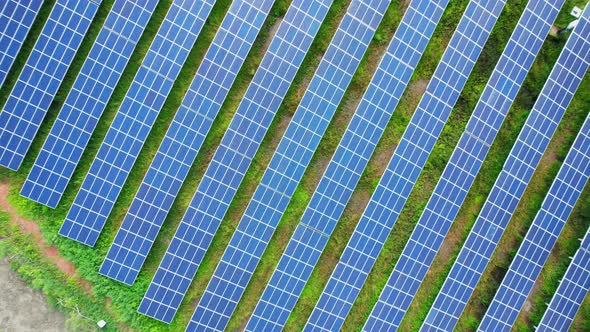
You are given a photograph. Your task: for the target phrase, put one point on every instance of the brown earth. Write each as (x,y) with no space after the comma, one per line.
(30,227)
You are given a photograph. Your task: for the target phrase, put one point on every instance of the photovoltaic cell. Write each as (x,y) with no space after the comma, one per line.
(511,183)
(282,177)
(543,233)
(362,136)
(571,292)
(467,158)
(133,121)
(302,252)
(269,85)
(288,164)
(41,76)
(16,19)
(182,142)
(410,156)
(86,101)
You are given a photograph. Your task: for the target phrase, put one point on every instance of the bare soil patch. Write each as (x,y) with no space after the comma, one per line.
(271,33)
(416,89)
(30,227)
(23,308)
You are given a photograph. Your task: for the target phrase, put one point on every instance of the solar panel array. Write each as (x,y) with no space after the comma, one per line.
(285,171)
(343,172)
(288,164)
(571,292)
(133,121)
(409,159)
(509,187)
(41,76)
(63,33)
(182,141)
(467,158)
(543,233)
(301,254)
(85,103)
(16,19)
(362,136)
(221,180)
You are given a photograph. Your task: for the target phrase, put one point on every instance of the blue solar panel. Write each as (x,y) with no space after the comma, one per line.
(86,101)
(409,159)
(133,121)
(359,141)
(543,233)
(571,292)
(303,250)
(16,19)
(277,70)
(286,168)
(510,185)
(41,76)
(465,162)
(282,177)
(359,256)
(182,142)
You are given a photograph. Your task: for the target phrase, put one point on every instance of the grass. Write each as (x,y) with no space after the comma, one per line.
(124,300)
(23,254)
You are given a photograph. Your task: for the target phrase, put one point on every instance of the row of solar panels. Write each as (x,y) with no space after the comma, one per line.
(108,57)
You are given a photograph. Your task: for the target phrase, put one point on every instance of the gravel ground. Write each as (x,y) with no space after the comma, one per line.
(24,309)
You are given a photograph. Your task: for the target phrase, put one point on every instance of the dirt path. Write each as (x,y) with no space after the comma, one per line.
(24,309)
(30,227)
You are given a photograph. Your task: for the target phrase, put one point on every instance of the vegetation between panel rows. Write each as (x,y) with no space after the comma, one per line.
(124,300)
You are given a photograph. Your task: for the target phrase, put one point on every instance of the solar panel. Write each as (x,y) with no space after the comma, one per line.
(543,233)
(465,162)
(286,168)
(304,248)
(510,185)
(300,140)
(284,173)
(249,125)
(182,142)
(41,76)
(16,19)
(407,162)
(133,121)
(85,103)
(366,243)
(571,292)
